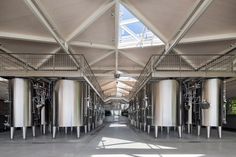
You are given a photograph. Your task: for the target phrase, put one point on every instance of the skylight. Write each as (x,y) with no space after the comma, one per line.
(133,33)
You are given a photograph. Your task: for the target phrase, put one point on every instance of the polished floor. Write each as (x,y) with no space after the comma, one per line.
(118,139)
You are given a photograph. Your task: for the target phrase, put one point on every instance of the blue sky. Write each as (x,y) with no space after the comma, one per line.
(143,36)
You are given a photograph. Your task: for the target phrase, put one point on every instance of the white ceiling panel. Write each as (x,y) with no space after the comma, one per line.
(106,62)
(126,62)
(16,17)
(90,54)
(219,18)
(143,54)
(69,14)
(102,31)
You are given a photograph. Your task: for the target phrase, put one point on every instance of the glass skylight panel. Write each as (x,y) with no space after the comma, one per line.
(133,33)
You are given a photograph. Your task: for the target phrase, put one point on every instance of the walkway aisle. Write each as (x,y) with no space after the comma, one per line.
(117,140)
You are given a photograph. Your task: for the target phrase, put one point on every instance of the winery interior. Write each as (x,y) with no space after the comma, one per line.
(117,78)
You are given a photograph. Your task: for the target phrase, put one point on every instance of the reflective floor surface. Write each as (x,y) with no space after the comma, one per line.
(118,139)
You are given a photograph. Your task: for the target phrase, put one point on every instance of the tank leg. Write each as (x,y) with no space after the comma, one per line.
(89,127)
(54,129)
(168,129)
(93,126)
(49,128)
(161,129)
(12,133)
(85,129)
(148,129)
(140,126)
(71,129)
(24,130)
(156,131)
(180,131)
(208,131)
(219,131)
(65,130)
(44,129)
(189,128)
(198,130)
(78,131)
(144,127)
(33,131)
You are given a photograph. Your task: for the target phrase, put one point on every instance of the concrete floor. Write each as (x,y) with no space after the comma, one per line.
(117,139)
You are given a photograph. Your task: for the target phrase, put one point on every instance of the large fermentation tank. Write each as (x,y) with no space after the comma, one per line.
(212,94)
(165,101)
(165,95)
(68,104)
(21,108)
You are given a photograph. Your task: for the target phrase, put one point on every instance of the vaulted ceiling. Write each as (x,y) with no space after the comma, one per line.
(91,28)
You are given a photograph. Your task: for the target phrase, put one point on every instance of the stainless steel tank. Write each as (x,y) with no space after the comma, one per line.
(165,102)
(69,104)
(21,108)
(212,94)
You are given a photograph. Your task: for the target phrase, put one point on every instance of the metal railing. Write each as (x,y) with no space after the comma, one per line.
(90,77)
(59,62)
(185,63)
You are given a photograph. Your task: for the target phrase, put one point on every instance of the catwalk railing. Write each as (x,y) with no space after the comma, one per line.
(184,63)
(48,64)
(13,63)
